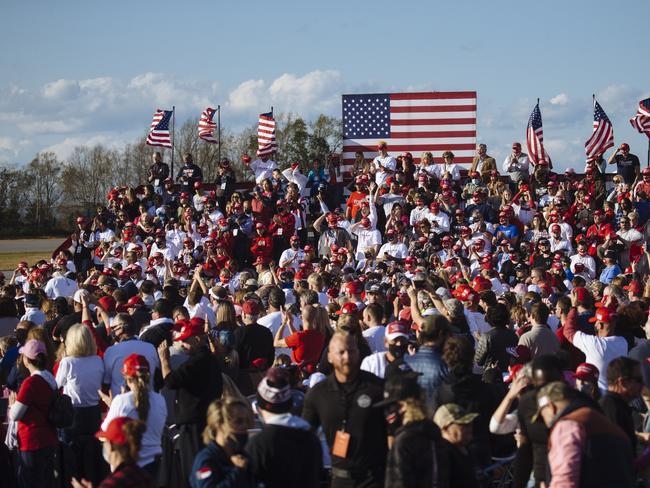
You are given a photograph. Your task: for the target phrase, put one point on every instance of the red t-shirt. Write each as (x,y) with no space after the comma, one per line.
(306,346)
(34,431)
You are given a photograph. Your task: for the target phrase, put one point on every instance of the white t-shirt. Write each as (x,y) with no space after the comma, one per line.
(123,405)
(80,378)
(600,351)
(388,162)
(114,358)
(375,338)
(476,322)
(60,286)
(375,364)
(273,321)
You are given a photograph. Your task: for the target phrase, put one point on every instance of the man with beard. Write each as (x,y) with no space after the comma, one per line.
(342,405)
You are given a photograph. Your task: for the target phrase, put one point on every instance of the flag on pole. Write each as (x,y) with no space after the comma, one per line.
(535,138)
(266,134)
(415,122)
(159,134)
(207,126)
(641,121)
(602,137)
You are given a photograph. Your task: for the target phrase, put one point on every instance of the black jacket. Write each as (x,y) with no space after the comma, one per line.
(471,393)
(197,381)
(618,411)
(414,459)
(492,345)
(252,342)
(286,457)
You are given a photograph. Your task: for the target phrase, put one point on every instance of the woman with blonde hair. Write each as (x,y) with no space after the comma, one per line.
(80,375)
(223,460)
(141,404)
(307,344)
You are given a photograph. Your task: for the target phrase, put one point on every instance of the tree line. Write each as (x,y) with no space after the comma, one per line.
(45,195)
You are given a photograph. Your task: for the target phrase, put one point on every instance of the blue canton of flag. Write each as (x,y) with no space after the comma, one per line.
(164,123)
(366,116)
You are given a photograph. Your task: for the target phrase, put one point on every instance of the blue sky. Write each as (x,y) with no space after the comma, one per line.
(79,72)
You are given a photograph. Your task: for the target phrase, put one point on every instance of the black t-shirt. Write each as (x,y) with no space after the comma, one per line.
(627,167)
(335,406)
(252,342)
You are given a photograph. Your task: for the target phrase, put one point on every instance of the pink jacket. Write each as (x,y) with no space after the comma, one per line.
(568,439)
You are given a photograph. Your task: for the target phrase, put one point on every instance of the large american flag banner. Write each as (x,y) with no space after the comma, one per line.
(207,125)
(159,134)
(413,122)
(641,121)
(602,137)
(535,138)
(266,134)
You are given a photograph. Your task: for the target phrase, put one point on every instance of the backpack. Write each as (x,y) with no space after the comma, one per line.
(60,414)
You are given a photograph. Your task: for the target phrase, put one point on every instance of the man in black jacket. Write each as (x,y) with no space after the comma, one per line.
(624,383)
(342,405)
(414,457)
(197,382)
(254,344)
(286,453)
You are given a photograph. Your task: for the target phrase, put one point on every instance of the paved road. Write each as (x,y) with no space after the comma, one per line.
(30,245)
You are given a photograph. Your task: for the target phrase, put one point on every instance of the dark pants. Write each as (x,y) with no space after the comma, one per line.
(371,479)
(180,445)
(80,437)
(36,468)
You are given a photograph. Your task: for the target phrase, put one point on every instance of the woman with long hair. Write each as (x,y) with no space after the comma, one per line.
(141,404)
(307,344)
(37,440)
(222,462)
(80,374)
(122,442)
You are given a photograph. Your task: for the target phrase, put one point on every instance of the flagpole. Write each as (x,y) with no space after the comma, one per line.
(648,162)
(219,133)
(173,123)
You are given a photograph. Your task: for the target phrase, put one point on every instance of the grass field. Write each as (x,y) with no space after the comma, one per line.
(10,260)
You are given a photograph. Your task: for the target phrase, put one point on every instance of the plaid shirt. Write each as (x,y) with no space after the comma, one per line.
(433,369)
(128,475)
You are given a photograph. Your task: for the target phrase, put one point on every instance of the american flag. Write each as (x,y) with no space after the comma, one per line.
(266,134)
(535,138)
(207,126)
(641,121)
(603,136)
(159,134)
(413,122)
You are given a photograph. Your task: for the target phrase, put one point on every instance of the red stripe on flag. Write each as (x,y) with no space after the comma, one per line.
(441,108)
(458,160)
(414,147)
(466,121)
(432,95)
(448,133)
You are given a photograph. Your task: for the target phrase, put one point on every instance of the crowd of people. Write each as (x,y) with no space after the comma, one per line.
(405,323)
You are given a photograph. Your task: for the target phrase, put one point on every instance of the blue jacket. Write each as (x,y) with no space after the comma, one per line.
(212,469)
(428,361)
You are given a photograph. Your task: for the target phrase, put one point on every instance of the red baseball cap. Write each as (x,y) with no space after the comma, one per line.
(107,303)
(635,287)
(134,364)
(602,315)
(192,328)
(587,372)
(396,329)
(135,302)
(251,307)
(354,287)
(114,433)
(348,308)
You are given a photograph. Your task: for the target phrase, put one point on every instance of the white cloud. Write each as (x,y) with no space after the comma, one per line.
(561,99)
(316,91)
(247,95)
(65,148)
(51,126)
(62,90)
